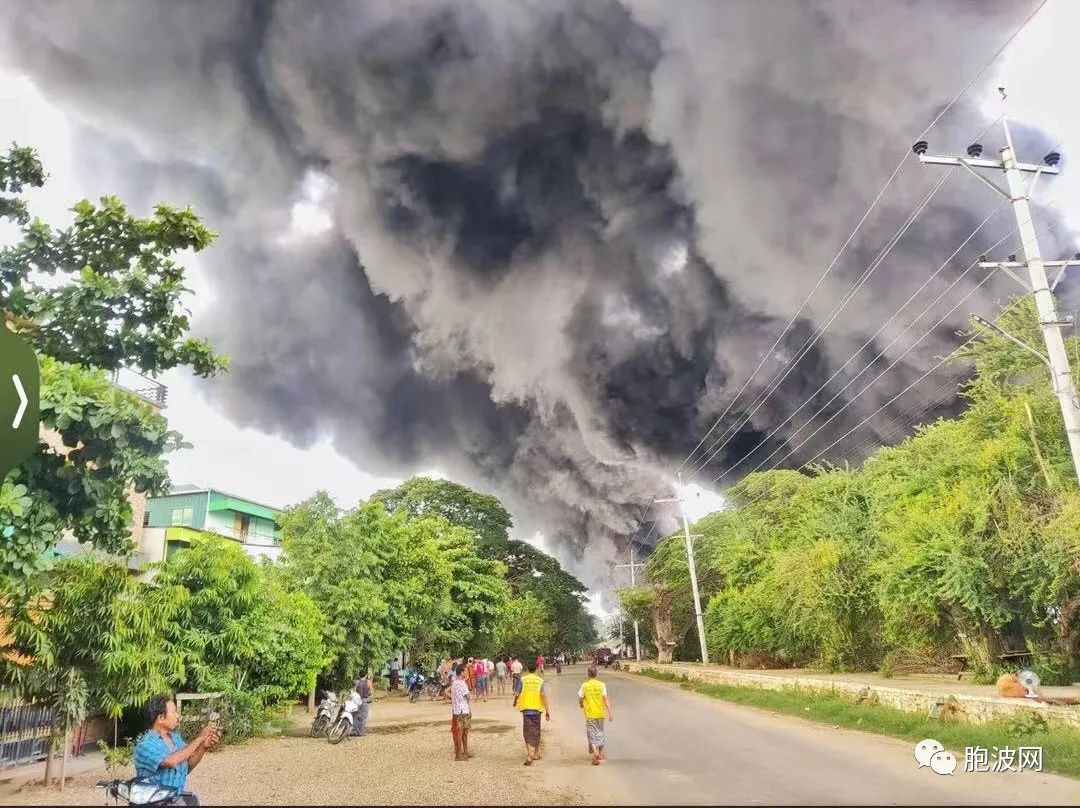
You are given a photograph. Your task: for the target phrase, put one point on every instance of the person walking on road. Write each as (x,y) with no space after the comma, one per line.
(460,714)
(500,676)
(515,672)
(470,674)
(539,665)
(530,699)
(481,677)
(593,698)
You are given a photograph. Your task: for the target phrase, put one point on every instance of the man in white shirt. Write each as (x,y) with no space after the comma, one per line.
(460,714)
(516,668)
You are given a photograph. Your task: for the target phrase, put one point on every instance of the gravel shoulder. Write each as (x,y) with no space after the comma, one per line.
(406,758)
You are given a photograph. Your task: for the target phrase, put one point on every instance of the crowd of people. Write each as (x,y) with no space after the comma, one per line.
(465,680)
(163,757)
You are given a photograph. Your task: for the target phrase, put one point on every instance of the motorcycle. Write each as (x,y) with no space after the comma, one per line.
(139,791)
(325,715)
(343,725)
(414,684)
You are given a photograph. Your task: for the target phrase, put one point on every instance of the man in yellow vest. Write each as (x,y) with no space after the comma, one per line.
(530,697)
(593,699)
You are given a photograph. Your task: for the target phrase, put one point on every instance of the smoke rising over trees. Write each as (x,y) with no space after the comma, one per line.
(558,235)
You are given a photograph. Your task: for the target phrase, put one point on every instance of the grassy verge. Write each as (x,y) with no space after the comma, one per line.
(1061,745)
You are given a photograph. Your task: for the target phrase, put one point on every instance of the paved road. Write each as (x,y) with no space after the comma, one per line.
(670,746)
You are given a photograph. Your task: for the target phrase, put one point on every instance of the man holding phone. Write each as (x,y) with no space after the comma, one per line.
(161,754)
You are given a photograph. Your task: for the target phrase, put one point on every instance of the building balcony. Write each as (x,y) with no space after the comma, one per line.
(149,390)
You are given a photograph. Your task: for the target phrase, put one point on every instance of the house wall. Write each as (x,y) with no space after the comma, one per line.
(161,508)
(139,503)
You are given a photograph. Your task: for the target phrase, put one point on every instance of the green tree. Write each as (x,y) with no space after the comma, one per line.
(98,640)
(531,571)
(478,592)
(525,628)
(378,581)
(102,294)
(481,514)
(244,629)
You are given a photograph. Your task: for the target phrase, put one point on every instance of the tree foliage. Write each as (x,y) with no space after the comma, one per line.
(525,628)
(527,570)
(964,538)
(244,629)
(98,639)
(99,295)
(379,579)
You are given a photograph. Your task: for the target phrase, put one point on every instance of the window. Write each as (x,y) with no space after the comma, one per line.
(183,517)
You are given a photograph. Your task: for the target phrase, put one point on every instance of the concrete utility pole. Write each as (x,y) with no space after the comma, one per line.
(693,574)
(1050,323)
(633,582)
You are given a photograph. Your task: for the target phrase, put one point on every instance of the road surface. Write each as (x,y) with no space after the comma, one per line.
(668,745)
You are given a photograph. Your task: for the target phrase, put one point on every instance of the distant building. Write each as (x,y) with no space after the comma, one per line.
(187,511)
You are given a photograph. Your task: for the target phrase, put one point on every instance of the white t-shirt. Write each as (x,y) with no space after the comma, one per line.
(459,697)
(603,691)
(516,667)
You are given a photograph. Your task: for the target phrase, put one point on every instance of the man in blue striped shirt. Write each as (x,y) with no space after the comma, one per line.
(161,754)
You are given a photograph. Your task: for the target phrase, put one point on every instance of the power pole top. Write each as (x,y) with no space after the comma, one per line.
(1018,194)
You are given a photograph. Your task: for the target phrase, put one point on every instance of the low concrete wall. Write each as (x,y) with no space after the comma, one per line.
(976,709)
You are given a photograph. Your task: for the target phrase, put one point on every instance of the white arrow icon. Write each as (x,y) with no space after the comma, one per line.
(22,399)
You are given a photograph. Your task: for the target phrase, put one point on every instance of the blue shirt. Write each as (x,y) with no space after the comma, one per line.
(150,750)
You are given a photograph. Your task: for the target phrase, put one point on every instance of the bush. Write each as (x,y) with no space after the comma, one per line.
(242,715)
(117,757)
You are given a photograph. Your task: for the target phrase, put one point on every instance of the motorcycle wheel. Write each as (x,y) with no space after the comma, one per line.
(319,725)
(339,731)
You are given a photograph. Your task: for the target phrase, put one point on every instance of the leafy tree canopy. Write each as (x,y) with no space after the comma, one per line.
(481,514)
(102,294)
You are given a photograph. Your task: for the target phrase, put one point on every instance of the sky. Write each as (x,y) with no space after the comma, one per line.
(269,469)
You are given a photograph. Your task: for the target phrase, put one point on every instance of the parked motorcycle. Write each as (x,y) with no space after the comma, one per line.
(325,715)
(414,683)
(139,791)
(342,726)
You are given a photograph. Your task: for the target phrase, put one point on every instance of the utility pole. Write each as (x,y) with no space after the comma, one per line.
(1050,323)
(633,582)
(693,574)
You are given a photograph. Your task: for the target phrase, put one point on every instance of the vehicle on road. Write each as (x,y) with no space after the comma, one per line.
(325,715)
(139,791)
(343,724)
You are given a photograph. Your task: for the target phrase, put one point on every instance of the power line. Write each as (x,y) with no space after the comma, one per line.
(963,91)
(888,403)
(813,339)
(892,176)
(891,365)
(866,345)
(896,170)
(765,356)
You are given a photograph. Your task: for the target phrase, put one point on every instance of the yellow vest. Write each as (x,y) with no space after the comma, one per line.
(593,698)
(529,697)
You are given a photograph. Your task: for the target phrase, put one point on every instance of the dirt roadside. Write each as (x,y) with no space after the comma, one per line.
(406,758)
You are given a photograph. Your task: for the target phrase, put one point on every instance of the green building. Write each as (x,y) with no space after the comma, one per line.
(187,511)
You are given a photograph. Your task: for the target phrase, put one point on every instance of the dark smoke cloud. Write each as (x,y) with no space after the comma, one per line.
(564,232)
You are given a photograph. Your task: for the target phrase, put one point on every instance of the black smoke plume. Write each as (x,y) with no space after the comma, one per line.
(563,232)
